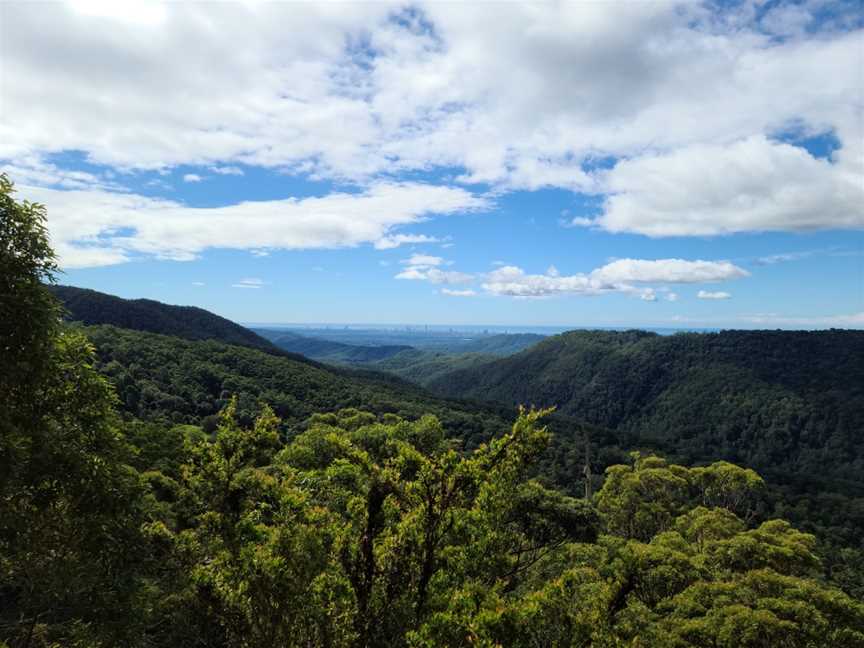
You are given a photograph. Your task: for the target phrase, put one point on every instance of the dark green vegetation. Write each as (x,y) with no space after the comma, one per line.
(167,380)
(424,367)
(435,339)
(350,529)
(784,401)
(187,322)
(435,356)
(330,351)
(787,403)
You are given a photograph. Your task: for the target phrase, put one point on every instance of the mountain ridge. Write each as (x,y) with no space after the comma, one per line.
(92,307)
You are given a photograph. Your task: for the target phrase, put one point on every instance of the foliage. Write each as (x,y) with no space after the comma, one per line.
(187,322)
(787,401)
(68,502)
(425,367)
(789,404)
(351,528)
(330,351)
(29,316)
(167,379)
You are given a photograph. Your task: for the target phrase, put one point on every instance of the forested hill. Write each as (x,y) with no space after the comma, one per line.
(784,401)
(330,350)
(361,529)
(167,380)
(188,322)
(502,345)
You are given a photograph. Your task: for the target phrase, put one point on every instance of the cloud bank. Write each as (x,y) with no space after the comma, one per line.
(620,276)
(97,227)
(364,92)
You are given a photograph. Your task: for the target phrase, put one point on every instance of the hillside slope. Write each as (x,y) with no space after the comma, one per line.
(168,379)
(502,344)
(425,367)
(187,322)
(330,351)
(783,401)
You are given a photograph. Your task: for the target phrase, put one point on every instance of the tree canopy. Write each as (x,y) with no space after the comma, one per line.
(354,528)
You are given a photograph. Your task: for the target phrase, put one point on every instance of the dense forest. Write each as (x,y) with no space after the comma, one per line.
(187,322)
(168,380)
(330,351)
(130,517)
(421,364)
(784,401)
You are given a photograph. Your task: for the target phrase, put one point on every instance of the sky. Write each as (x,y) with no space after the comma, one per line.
(692,164)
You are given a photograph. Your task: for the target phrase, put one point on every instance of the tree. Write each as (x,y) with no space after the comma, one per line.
(30,318)
(68,501)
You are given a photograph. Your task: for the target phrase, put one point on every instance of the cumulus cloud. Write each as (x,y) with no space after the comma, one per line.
(359,90)
(514,282)
(668,271)
(617,276)
(434,275)
(227,170)
(396,240)
(425,267)
(458,293)
(423,261)
(705,294)
(192,177)
(97,227)
(648,295)
(35,170)
(750,185)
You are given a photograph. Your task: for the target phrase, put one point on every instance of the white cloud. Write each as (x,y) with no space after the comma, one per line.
(96,227)
(671,296)
(434,275)
(423,261)
(648,295)
(227,170)
(424,267)
(517,94)
(129,11)
(512,281)
(617,276)
(198,284)
(88,256)
(668,271)
(704,294)
(192,177)
(413,274)
(458,293)
(34,169)
(249,283)
(750,185)
(396,240)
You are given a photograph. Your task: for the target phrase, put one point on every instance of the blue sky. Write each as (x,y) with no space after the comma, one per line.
(610,164)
